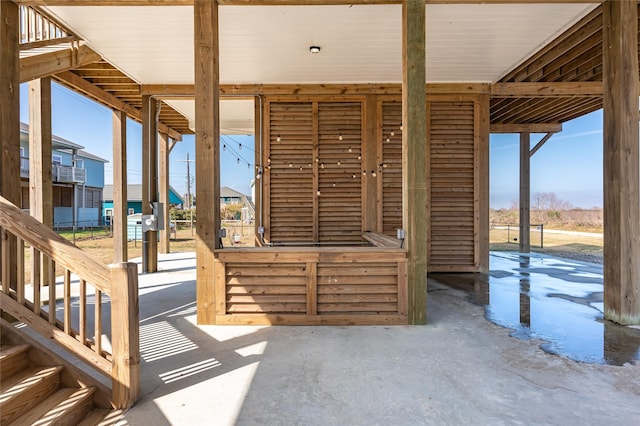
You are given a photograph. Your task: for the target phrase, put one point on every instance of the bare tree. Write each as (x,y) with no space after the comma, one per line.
(547,205)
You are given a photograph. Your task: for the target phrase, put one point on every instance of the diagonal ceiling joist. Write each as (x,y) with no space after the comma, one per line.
(37,66)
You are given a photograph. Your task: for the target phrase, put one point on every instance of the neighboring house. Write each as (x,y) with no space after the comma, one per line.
(77,179)
(231,196)
(134,203)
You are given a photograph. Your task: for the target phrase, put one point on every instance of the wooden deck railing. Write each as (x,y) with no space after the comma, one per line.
(30,295)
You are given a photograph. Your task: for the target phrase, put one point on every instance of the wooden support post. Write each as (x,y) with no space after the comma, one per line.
(414,154)
(482,182)
(165,234)
(207,100)
(149,180)
(119,217)
(125,335)
(525,193)
(9,128)
(40,185)
(621,163)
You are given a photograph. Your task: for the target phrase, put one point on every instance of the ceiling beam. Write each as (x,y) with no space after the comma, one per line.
(526,128)
(547,89)
(47,64)
(73,81)
(169,90)
(277,2)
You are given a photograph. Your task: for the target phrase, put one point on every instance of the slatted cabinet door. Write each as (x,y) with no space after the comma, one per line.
(339,171)
(452,223)
(289,175)
(390,157)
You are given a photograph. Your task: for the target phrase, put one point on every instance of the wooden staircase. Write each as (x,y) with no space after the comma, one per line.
(33,394)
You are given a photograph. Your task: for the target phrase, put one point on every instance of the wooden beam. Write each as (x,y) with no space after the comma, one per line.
(547,89)
(9,130)
(482,181)
(163,192)
(540,144)
(207,100)
(40,136)
(621,163)
(278,2)
(414,154)
(9,102)
(168,90)
(149,180)
(526,128)
(119,217)
(525,193)
(47,64)
(370,160)
(77,83)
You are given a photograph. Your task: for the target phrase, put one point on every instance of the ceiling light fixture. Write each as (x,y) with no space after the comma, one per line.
(314,49)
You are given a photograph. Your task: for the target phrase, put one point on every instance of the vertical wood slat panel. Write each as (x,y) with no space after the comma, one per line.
(35,279)
(290,169)
(339,174)
(20,277)
(391,159)
(83,312)
(452,161)
(51,275)
(97,322)
(67,301)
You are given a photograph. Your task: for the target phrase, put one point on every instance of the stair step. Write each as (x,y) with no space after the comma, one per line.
(101,417)
(24,390)
(67,406)
(13,359)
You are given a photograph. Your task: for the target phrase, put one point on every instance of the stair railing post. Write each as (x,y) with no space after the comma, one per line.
(125,334)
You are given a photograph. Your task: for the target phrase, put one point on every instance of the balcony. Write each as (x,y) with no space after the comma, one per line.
(67,174)
(59,173)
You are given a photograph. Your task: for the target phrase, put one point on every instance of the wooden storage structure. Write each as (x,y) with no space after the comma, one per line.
(311,285)
(333,170)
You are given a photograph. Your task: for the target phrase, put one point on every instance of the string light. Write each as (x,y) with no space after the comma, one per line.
(322,166)
(339,163)
(334,184)
(393,133)
(268,159)
(359,157)
(373,173)
(278,138)
(238,161)
(340,137)
(353,176)
(318,193)
(224,147)
(290,164)
(350,150)
(364,173)
(300,168)
(388,139)
(248,166)
(239,146)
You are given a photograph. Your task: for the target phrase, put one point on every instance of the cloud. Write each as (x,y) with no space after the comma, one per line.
(577,135)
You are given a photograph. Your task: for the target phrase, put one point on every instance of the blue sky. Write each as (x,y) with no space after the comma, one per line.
(569,164)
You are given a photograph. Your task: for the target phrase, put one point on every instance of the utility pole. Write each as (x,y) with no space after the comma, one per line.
(190,202)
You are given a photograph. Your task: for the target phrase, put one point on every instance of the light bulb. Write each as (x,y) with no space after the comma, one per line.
(350,150)
(240,146)
(224,147)
(334,184)
(340,137)
(339,163)
(278,139)
(353,176)
(393,133)
(373,173)
(238,161)
(388,139)
(359,157)
(290,164)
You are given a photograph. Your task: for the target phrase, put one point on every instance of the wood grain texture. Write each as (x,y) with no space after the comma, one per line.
(149,178)
(163,191)
(47,64)
(621,163)
(119,218)
(207,154)
(125,335)
(9,127)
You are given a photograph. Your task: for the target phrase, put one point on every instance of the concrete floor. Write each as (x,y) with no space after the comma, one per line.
(459,369)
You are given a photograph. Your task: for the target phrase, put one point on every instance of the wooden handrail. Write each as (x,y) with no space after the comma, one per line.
(119,281)
(53,245)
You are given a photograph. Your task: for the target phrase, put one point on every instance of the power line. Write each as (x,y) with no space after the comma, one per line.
(190,203)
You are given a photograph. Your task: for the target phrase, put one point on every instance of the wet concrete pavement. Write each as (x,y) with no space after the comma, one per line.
(555,300)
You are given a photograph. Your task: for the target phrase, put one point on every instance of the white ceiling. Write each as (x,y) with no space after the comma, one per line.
(236,115)
(360,44)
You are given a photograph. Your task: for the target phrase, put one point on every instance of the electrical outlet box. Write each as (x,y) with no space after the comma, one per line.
(400,234)
(149,222)
(158,212)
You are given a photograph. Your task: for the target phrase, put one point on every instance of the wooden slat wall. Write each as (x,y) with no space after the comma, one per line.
(266,288)
(289,178)
(390,156)
(364,289)
(339,171)
(452,144)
